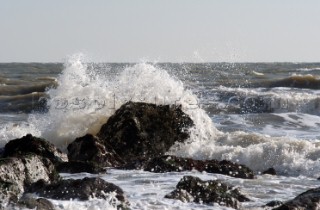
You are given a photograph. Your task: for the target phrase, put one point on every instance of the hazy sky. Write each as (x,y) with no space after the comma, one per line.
(160,30)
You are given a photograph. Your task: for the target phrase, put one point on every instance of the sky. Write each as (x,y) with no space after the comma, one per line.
(160,30)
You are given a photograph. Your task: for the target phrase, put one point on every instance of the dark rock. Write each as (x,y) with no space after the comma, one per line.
(79,167)
(1,152)
(30,144)
(90,148)
(141,130)
(270,171)
(274,203)
(17,173)
(79,189)
(136,164)
(30,202)
(169,163)
(193,189)
(307,200)
(9,193)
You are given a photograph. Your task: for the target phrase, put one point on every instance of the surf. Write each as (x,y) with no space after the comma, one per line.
(86,95)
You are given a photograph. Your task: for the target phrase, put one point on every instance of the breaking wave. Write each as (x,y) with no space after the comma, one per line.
(85,98)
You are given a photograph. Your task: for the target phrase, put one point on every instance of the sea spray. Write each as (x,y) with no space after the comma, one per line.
(85,99)
(12,130)
(288,156)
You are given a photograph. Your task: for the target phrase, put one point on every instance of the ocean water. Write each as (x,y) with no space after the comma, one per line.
(259,114)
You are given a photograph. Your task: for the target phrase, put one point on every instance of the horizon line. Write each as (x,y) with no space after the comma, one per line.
(155,62)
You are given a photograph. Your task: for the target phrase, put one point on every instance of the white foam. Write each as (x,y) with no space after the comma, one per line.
(282,99)
(309,69)
(287,155)
(148,83)
(92,204)
(73,112)
(11,131)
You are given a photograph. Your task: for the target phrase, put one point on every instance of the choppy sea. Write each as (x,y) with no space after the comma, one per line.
(259,114)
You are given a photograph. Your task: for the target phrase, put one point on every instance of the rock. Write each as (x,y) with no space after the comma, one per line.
(208,192)
(30,202)
(169,163)
(270,171)
(9,193)
(142,130)
(17,173)
(30,144)
(90,148)
(307,200)
(80,189)
(79,167)
(136,164)
(1,152)
(273,204)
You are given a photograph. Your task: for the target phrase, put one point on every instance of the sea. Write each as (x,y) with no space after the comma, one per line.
(261,115)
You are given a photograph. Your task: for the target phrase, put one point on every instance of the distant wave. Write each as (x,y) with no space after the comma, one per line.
(25,103)
(309,69)
(295,81)
(10,90)
(298,81)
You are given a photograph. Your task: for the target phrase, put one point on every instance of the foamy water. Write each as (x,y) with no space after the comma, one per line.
(85,98)
(83,102)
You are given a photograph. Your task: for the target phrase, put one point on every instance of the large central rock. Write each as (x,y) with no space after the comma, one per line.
(142,131)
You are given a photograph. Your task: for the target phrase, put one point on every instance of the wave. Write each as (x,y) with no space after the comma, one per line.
(85,98)
(298,81)
(23,103)
(309,69)
(10,90)
(261,100)
(25,96)
(288,156)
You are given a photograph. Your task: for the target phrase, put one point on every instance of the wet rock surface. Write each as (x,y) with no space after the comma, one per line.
(270,171)
(193,189)
(17,173)
(307,200)
(273,204)
(170,163)
(141,130)
(136,137)
(79,189)
(9,193)
(29,201)
(90,148)
(30,144)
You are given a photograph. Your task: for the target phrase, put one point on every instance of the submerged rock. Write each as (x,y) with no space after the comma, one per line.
(273,204)
(90,149)
(307,200)
(142,130)
(80,189)
(31,202)
(17,173)
(193,189)
(169,163)
(270,171)
(30,144)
